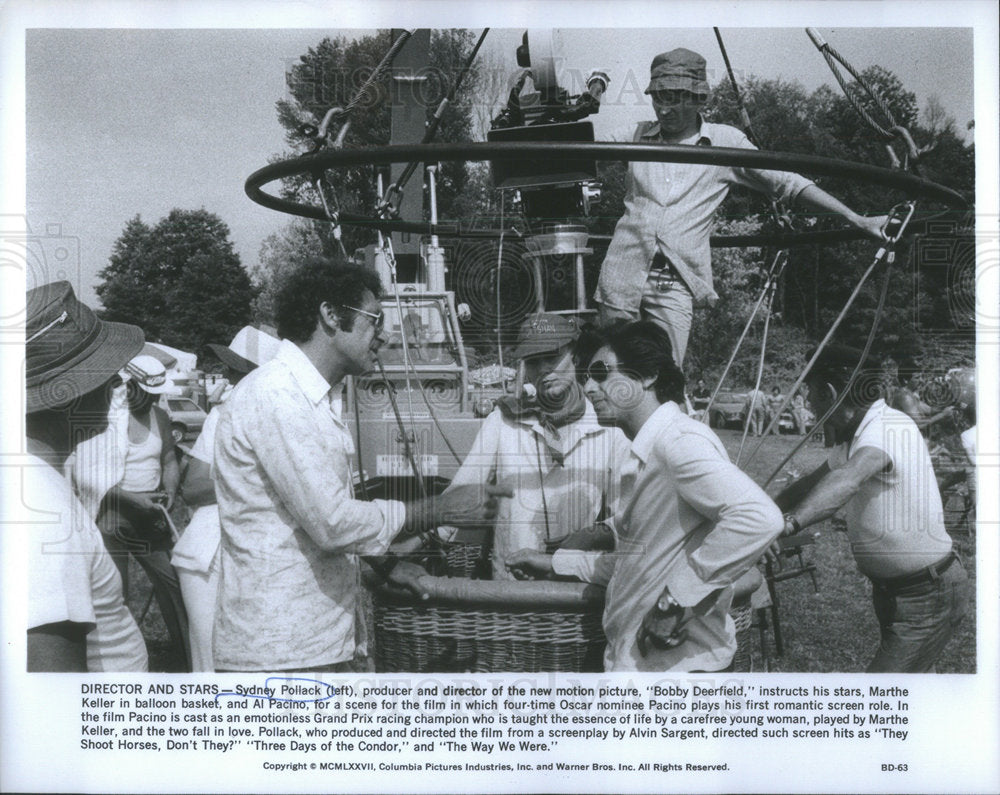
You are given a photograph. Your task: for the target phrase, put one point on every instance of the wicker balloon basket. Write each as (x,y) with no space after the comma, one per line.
(488,626)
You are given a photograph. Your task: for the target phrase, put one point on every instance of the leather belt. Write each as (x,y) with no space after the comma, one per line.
(924,575)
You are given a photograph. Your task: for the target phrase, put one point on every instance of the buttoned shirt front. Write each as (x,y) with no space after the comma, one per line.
(670,208)
(560,482)
(291,528)
(692,522)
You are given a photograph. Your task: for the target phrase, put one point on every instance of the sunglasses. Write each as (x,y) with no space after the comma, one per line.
(378,319)
(599,371)
(673,97)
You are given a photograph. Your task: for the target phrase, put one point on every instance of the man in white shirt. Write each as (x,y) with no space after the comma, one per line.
(659,263)
(880,472)
(77,619)
(292,530)
(691,522)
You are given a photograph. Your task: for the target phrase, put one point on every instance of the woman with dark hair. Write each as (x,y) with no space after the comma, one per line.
(690,523)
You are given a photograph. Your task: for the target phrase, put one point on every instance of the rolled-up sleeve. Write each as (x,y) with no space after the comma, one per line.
(784,186)
(742,519)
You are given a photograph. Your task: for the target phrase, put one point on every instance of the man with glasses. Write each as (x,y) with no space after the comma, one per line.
(292,530)
(659,264)
(690,524)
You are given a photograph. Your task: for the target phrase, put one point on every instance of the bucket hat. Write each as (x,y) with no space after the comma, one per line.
(678,70)
(69,351)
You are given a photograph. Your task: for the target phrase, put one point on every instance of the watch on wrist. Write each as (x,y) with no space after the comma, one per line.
(666,602)
(791,519)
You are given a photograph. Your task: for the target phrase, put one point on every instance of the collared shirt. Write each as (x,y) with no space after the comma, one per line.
(559,483)
(895,522)
(692,522)
(291,528)
(670,207)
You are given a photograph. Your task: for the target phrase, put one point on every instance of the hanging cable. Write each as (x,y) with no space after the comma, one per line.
(389,205)
(363,480)
(760,369)
(894,227)
(777,267)
(503,380)
(850,381)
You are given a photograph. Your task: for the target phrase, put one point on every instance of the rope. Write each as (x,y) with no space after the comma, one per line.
(778,211)
(899,217)
(357,433)
(736,90)
(373,78)
(851,92)
(774,273)
(848,385)
(760,369)
(503,381)
(396,189)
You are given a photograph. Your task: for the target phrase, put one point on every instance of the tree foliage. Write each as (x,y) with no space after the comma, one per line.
(329,76)
(180,280)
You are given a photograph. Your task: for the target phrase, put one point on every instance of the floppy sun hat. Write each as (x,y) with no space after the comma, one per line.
(250,348)
(69,351)
(678,70)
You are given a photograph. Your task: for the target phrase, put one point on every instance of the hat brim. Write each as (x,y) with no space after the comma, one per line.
(231,359)
(677,83)
(549,343)
(112,348)
(166,388)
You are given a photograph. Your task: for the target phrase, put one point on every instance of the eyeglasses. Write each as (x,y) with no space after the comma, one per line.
(599,371)
(673,97)
(378,319)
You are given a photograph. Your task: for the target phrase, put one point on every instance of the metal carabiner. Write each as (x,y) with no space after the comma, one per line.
(893,228)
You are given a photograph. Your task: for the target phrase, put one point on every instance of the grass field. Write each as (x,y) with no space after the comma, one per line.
(830,630)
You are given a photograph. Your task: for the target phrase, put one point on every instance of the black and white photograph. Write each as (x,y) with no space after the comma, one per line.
(552,399)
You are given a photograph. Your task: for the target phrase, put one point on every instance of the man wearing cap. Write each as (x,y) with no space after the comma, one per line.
(548,443)
(690,524)
(659,264)
(292,531)
(880,473)
(130,517)
(196,554)
(77,618)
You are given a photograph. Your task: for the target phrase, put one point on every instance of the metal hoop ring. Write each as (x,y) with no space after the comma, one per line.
(913,186)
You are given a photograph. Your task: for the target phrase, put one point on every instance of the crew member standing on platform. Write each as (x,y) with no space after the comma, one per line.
(659,264)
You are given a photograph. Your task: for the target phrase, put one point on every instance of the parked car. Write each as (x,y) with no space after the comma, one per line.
(728,409)
(186,416)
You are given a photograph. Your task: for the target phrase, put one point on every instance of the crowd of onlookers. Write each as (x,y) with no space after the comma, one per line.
(594,471)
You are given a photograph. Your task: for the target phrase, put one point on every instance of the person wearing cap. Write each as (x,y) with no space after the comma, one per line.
(880,474)
(130,517)
(196,555)
(548,443)
(77,618)
(659,265)
(290,594)
(690,525)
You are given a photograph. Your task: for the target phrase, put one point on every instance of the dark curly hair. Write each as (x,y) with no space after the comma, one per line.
(315,281)
(644,351)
